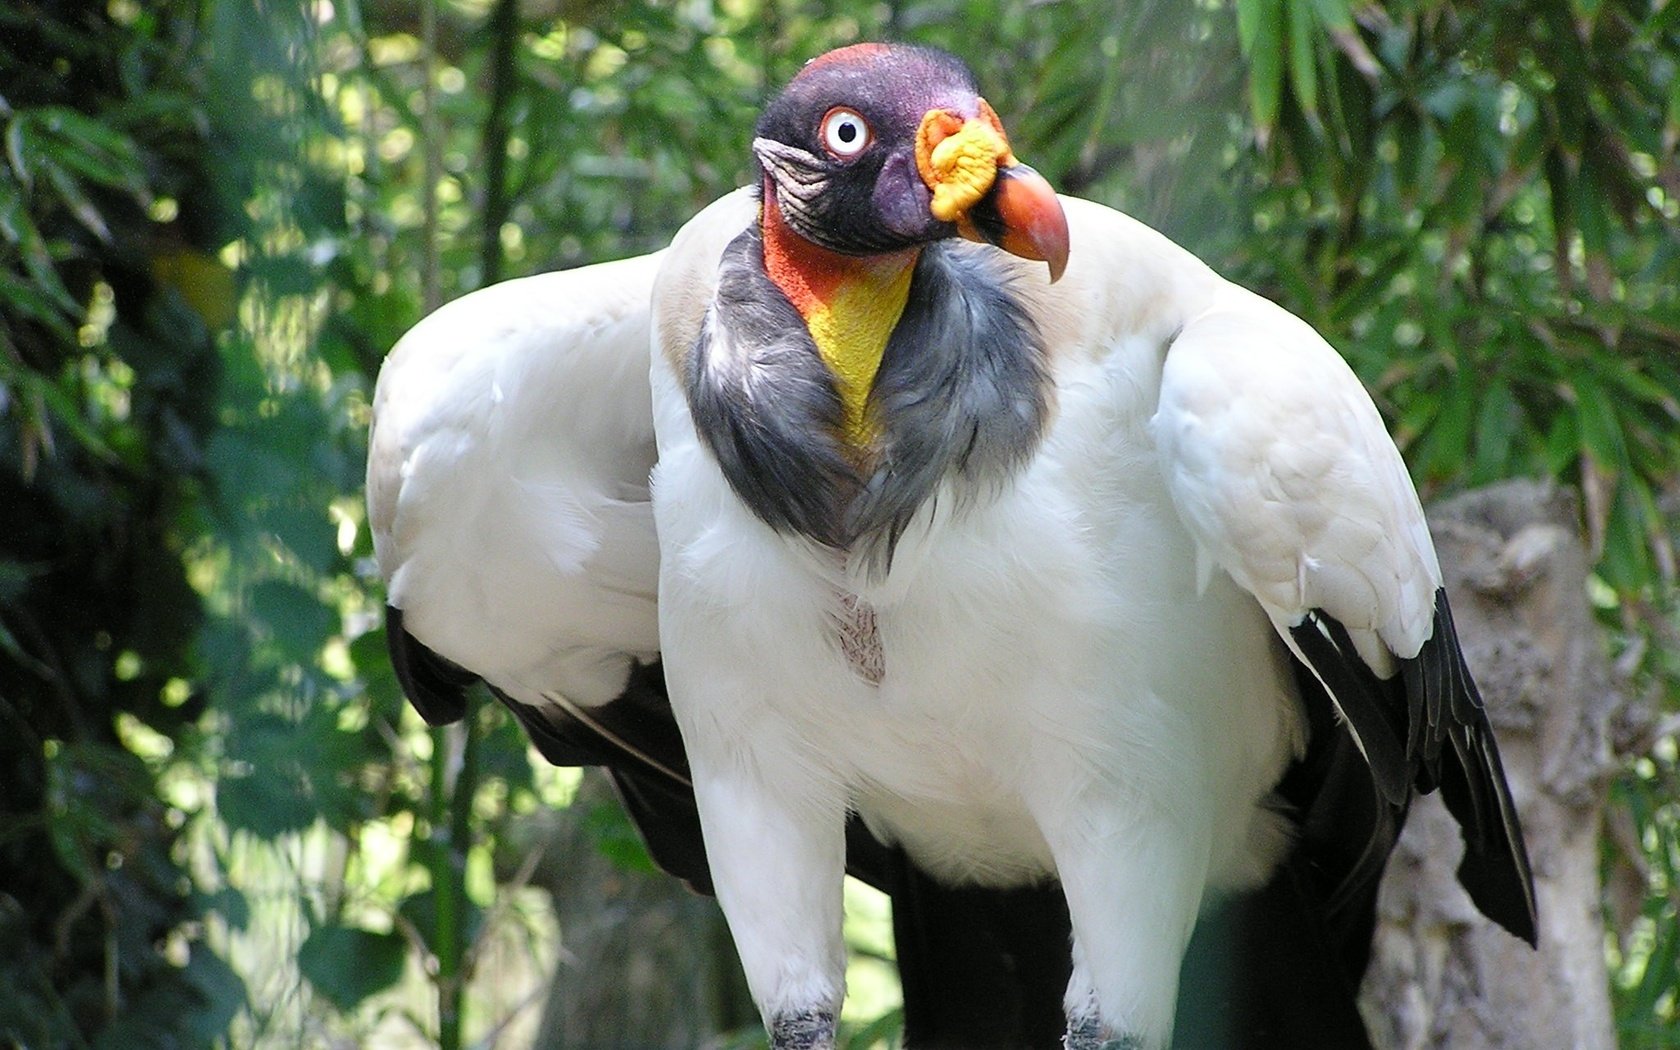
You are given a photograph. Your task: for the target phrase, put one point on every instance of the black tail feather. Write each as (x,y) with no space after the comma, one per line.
(1434,706)
(1368,703)
(435,686)
(1274,969)
(980,967)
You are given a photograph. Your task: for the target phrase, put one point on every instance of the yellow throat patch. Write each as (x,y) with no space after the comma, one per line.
(851,328)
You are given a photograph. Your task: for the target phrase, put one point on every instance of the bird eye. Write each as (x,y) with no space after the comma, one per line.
(845,133)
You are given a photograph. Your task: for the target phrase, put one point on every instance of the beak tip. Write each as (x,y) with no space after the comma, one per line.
(1034,225)
(1055,249)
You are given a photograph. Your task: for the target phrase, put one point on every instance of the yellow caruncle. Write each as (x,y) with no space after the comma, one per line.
(960,164)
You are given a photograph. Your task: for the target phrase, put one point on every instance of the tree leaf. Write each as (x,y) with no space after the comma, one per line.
(1334,14)
(1303,57)
(77,201)
(268,803)
(87,147)
(1249,15)
(297,621)
(1261,28)
(346,964)
(420,910)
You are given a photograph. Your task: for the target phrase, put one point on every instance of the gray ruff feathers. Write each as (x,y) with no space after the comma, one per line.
(962,394)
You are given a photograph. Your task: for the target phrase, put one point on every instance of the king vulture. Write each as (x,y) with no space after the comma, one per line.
(988,542)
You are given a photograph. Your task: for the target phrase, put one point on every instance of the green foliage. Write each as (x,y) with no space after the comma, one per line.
(348,964)
(1647,954)
(107,380)
(1485,218)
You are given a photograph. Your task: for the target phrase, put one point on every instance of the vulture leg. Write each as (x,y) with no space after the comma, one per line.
(775,841)
(803,1030)
(1133,887)
(981,968)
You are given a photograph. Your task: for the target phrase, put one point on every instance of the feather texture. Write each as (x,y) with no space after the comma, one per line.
(507,482)
(1281,468)
(443,480)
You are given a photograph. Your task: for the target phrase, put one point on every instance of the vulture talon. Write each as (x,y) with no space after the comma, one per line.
(1088,1033)
(806,1030)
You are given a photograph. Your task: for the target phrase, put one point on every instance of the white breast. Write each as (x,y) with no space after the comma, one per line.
(1013,652)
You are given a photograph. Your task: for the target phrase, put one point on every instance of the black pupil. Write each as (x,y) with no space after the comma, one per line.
(847,131)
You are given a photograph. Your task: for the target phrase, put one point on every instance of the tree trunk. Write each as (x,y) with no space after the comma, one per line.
(1442,976)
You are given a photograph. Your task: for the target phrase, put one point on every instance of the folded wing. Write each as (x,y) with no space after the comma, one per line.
(1280,466)
(507,483)
(508,493)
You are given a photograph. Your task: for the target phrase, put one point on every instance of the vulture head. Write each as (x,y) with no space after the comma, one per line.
(878,148)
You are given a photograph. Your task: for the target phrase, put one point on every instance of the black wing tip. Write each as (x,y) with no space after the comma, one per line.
(1502,892)
(1425,729)
(435,686)
(1495,870)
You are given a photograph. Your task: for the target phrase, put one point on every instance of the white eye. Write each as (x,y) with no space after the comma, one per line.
(844,132)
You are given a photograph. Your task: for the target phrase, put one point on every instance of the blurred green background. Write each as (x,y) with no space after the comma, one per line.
(219,825)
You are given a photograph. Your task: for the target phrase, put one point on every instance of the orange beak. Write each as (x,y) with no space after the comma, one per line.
(1029,219)
(991,197)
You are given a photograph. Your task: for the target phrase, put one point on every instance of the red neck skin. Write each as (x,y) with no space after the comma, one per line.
(808,274)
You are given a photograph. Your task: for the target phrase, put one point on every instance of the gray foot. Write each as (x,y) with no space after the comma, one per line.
(811,1030)
(1088,1033)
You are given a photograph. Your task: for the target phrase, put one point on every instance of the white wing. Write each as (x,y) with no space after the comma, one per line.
(507,482)
(1280,467)
(1282,470)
